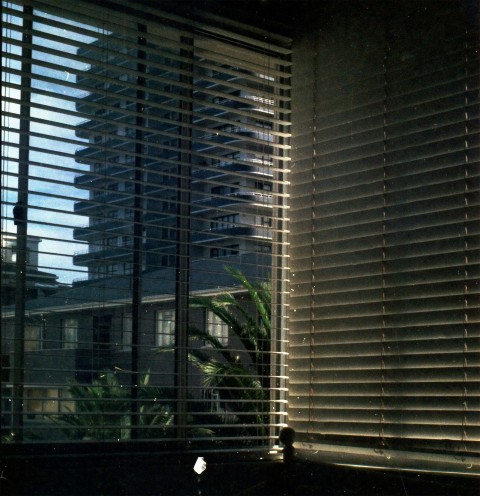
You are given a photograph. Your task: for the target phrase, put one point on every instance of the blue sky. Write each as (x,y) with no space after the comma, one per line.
(51,186)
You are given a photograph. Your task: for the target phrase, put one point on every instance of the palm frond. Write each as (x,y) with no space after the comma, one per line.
(260,295)
(221,305)
(102,409)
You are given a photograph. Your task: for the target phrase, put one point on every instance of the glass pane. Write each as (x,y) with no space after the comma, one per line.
(149,164)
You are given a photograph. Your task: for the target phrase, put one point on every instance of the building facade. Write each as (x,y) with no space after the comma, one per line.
(233,151)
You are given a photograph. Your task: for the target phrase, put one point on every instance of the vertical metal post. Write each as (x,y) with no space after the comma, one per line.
(182,282)
(138,228)
(21,221)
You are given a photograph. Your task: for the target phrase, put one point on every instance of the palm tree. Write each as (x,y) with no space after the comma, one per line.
(241,378)
(102,410)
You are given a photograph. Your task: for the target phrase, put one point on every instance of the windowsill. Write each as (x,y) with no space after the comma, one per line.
(79,470)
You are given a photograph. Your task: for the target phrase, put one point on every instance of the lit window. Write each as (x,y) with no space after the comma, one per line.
(165,328)
(217,328)
(41,401)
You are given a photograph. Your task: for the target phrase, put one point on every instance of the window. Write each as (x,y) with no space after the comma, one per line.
(225,221)
(263,185)
(263,221)
(33,337)
(119,193)
(263,248)
(217,328)
(129,186)
(41,401)
(169,234)
(69,333)
(165,328)
(223,190)
(127,331)
(167,261)
(168,206)
(383,334)
(227,251)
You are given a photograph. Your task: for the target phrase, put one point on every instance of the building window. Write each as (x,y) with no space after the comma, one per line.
(165,327)
(223,190)
(41,401)
(264,221)
(227,251)
(65,402)
(263,185)
(167,261)
(69,333)
(129,186)
(224,221)
(168,205)
(169,234)
(33,337)
(217,328)
(127,331)
(263,248)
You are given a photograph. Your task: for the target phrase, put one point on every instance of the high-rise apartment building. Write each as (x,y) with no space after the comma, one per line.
(220,124)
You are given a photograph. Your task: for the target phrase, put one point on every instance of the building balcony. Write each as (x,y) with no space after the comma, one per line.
(119,198)
(224,107)
(109,170)
(231,133)
(92,127)
(214,236)
(157,246)
(226,168)
(235,145)
(110,253)
(117,145)
(241,200)
(98,230)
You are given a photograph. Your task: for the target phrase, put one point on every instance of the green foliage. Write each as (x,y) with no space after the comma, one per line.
(103,410)
(242,379)
(8,438)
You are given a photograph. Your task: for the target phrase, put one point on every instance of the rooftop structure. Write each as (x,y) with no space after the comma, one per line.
(38,282)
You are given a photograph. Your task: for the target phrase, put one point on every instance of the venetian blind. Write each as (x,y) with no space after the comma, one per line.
(384,342)
(143,164)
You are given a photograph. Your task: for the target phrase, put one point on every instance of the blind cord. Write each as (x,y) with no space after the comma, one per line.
(313,231)
(383,369)
(464,435)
